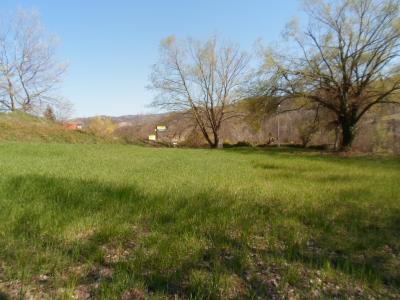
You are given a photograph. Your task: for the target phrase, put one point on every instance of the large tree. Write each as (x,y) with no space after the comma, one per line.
(202,78)
(29,70)
(346,61)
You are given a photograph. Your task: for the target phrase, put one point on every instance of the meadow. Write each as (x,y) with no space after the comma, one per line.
(129,222)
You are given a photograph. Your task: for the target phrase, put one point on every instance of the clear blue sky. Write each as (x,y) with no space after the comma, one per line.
(111,45)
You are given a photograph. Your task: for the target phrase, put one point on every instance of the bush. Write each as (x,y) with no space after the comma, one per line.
(243,144)
(102,127)
(194,140)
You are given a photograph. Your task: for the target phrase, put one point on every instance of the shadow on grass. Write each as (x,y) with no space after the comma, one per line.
(275,150)
(205,232)
(313,173)
(318,155)
(357,238)
(4,296)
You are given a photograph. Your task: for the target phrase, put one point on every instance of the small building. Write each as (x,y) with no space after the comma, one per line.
(161,128)
(73,126)
(157,131)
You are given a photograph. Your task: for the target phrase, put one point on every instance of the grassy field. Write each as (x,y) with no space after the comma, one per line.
(115,221)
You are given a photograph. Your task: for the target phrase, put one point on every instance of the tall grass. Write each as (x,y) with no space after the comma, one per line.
(110,221)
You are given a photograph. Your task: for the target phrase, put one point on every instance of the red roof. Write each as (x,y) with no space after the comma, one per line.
(73,126)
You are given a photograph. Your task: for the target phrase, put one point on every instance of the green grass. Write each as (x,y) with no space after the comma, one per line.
(111,221)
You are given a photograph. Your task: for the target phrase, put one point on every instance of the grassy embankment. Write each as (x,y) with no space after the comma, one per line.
(18,126)
(109,221)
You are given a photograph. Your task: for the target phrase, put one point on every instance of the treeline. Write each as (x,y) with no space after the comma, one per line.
(380,131)
(338,69)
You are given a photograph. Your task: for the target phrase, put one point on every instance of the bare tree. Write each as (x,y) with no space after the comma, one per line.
(63,109)
(29,71)
(348,60)
(203,78)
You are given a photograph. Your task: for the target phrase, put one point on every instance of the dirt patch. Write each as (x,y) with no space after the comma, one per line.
(90,280)
(114,254)
(83,292)
(134,294)
(119,251)
(17,290)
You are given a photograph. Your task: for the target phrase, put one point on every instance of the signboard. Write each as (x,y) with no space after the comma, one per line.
(161,128)
(152,137)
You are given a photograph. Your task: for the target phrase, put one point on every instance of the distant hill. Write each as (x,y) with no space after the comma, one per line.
(128,120)
(134,128)
(18,126)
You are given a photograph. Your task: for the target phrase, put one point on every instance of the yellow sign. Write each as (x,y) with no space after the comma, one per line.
(152,137)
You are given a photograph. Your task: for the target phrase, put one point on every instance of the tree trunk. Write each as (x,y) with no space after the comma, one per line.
(335,145)
(11,95)
(214,144)
(347,134)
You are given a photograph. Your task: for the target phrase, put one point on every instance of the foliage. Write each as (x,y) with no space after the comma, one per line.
(307,128)
(257,109)
(101,126)
(194,139)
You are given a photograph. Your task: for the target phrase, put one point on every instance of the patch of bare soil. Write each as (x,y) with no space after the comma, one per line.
(15,289)
(117,251)
(114,252)
(134,294)
(91,280)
